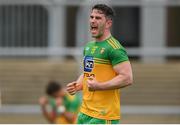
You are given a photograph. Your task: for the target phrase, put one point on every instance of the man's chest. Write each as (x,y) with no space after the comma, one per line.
(96,51)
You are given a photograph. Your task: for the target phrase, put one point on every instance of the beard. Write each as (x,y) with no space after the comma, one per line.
(97,36)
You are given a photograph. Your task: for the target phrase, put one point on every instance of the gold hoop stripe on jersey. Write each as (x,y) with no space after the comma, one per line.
(105,60)
(102,61)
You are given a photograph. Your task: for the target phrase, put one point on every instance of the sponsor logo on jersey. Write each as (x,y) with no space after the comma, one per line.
(88,63)
(89,75)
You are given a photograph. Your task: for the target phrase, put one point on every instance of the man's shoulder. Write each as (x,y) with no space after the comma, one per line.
(114,43)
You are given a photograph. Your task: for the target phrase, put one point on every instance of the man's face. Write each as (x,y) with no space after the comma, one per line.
(98,23)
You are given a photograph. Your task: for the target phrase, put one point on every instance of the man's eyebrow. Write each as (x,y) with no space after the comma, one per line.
(98,17)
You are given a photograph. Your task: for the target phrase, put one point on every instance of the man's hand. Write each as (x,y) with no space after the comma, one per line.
(93,84)
(72,88)
(43,101)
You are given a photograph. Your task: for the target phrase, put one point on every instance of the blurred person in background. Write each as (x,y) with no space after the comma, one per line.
(58,106)
(107,69)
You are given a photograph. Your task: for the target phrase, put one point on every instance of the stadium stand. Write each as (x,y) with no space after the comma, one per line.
(22,81)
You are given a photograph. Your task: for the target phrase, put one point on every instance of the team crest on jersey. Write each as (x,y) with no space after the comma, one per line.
(88,63)
(102,50)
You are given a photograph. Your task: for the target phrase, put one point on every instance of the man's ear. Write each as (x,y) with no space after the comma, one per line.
(108,23)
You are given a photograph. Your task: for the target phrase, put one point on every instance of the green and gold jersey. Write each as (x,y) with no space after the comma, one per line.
(99,59)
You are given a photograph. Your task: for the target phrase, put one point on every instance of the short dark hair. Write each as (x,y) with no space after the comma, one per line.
(53,87)
(106,10)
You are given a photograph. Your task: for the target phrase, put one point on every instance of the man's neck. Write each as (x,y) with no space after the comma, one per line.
(104,37)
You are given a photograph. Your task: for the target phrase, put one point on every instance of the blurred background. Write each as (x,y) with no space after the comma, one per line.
(42,40)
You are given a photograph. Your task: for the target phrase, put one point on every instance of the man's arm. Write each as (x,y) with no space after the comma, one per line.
(69,116)
(123,79)
(49,116)
(75,86)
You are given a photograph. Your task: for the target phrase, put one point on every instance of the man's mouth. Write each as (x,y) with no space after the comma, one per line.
(94,28)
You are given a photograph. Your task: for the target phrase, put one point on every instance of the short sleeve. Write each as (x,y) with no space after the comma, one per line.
(118,56)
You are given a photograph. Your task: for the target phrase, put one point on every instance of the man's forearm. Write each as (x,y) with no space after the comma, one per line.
(49,117)
(79,82)
(69,116)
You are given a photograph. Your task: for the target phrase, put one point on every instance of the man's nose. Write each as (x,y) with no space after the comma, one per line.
(93,19)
